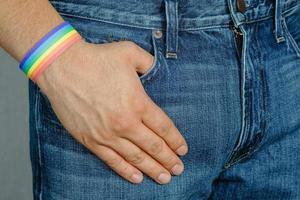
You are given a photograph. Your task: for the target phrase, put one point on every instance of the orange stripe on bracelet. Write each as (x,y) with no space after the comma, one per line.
(47,49)
(49,59)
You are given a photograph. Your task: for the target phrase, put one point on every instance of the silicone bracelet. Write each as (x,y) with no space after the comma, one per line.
(47,49)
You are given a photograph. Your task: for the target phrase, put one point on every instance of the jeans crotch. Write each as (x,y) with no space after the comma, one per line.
(171,8)
(278,32)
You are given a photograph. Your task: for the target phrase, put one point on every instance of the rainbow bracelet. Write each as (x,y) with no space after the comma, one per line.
(47,49)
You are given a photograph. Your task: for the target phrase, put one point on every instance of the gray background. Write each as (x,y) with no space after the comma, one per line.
(15,169)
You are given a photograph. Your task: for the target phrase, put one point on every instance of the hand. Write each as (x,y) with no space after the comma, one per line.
(95,91)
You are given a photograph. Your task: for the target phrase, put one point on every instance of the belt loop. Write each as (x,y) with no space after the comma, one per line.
(278,22)
(171,8)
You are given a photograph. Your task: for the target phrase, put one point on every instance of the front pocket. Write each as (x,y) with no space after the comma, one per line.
(146,76)
(99,32)
(291,26)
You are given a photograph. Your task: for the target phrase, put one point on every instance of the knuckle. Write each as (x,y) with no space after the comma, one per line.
(132,46)
(121,122)
(105,138)
(170,162)
(165,127)
(136,158)
(139,104)
(85,140)
(157,147)
(154,171)
(131,50)
(99,136)
(113,162)
(124,171)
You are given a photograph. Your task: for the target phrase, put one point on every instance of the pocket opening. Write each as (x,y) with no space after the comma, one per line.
(155,64)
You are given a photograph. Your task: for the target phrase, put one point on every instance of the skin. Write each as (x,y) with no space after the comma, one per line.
(116,120)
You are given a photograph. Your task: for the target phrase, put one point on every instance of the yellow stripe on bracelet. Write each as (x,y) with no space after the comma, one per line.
(49,59)
(47,49)
(50,51)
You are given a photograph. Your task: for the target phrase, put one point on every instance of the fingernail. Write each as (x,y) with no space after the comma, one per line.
(177,169)
(182,150)
(136,178)
(164,178)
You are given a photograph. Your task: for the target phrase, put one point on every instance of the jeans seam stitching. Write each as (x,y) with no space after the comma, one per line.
(224,25)
(205,27)
(156,65)
(151,74)
(290,38)
(264,87)
(37,121)
(251,150)
(104,21)
(233,40)
(244,100)
(286,12)
(244,103)
(48,105)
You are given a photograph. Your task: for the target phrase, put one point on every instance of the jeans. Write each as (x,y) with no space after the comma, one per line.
(226,72)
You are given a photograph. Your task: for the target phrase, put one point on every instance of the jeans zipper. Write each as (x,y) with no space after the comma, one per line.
(238,35)
(239,38)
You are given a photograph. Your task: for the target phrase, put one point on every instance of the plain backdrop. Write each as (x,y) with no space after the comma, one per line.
(15,168)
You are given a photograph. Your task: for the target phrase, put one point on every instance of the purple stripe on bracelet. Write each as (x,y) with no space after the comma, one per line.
(41,41)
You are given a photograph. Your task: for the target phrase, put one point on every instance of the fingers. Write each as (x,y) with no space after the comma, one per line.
(156,147)
(158,121)
(141,160)
(118,164)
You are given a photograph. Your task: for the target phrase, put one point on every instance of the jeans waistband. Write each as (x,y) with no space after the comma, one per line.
(151,14)
(173,16)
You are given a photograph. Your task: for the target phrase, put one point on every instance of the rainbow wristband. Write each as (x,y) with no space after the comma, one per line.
(47,49)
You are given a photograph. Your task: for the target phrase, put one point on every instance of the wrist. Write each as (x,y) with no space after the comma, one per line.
(48,49)
(50,74)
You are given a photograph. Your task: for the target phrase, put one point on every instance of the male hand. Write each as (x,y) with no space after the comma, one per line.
(96,93)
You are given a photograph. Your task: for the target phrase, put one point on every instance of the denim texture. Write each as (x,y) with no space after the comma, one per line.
(236,101)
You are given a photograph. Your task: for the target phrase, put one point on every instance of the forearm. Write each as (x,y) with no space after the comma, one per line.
(23,23)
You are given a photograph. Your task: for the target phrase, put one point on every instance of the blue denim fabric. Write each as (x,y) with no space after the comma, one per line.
(229,79)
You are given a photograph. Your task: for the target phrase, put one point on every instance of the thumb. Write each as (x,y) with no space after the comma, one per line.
(144,61)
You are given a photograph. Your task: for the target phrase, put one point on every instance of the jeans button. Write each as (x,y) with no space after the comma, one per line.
(241,5)
(157,34)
